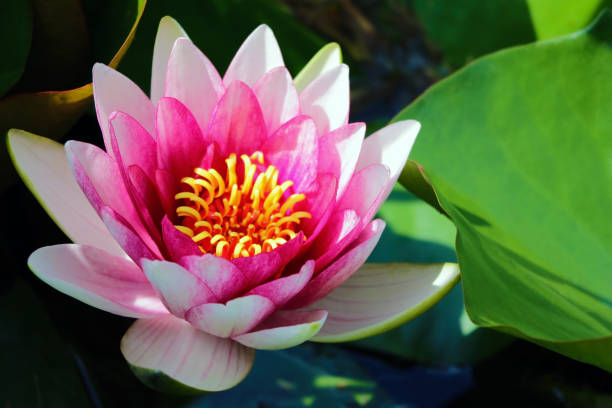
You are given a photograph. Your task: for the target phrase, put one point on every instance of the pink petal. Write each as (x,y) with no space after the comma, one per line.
(277,97)
(258,54)
(284,329)
(114,91)
(146,192)
(135,144)
(281,290)
(177,243)
(167,33)
(326,99)
(341,269)
(180,143)
(233,318)
(237,125)
(293,149)
(95,277)
(379,297)
(131,242)
(193,80)
(260,268)
(178,288)
(167,187)
(223,278)
(337,228)
(177,349)
(319,202)
(43,166)
(389,146)
(338,153)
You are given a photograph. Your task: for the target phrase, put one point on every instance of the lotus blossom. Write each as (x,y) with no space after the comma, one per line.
(226,214)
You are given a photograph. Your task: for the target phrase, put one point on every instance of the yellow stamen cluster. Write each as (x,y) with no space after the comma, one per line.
(234,216)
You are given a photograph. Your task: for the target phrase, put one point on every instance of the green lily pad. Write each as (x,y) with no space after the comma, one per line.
(518,148)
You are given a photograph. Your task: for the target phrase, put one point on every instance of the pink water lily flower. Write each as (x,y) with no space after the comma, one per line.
(226,214)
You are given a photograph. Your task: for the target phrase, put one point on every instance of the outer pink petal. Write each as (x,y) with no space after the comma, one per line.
(277,97)
(177,349)
(260,268)
(136,145)
(390,146)
(338,153)
(294,149)
(258,54)
(326,99)
(97,278)
(223,278)
(341,269)
(237,125)
(281,290)
(179,289)
(177,244)
(233,318)
(193,80)
(284,329)
(167,33)
(180,142)
(131,242)
(113,91)
(44,168)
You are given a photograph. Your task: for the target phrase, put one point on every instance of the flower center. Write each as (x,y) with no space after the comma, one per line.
(232,219)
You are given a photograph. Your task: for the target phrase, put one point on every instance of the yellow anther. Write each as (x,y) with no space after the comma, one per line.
(222,249)
(184,211)
(185,230)
(231,169)
(195,198)
(201,236)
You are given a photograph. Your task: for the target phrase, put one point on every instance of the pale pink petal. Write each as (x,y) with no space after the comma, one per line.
(326,99)
(233,318)
(135,144)
(338,153)
(277,97)
(258,54)
(237,125)
(390,146)
(223,278)
(293,150)
(114,91)
(379,297)
(178,288)
(131,242)
(177,243)
(281,290)
(167,33)
(173,347)
(180,142)
(284,329)
(193,80)
(260,268)
(342,268)
(328,57)
(95,277)
(44,168)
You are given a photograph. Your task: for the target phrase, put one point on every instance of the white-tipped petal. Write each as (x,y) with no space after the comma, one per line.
(167,33)
(379,297)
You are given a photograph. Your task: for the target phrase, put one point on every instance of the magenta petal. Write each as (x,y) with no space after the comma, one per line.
(294,149)
(179,289)
(135,144)
(180,143)
(127,238)
(167,187)
(193,80)
(341,269)
(112,92)
(97,278)
(320,201)
(337,228)
(223,278)
(260,268)
(277,97)
(281,290)
(338,152)
(233,318)
(237,125)
(146,192)
(284,329)
(177,243)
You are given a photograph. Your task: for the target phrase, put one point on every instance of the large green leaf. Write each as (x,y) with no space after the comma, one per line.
(15,39)
(444,334)
(518,146)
